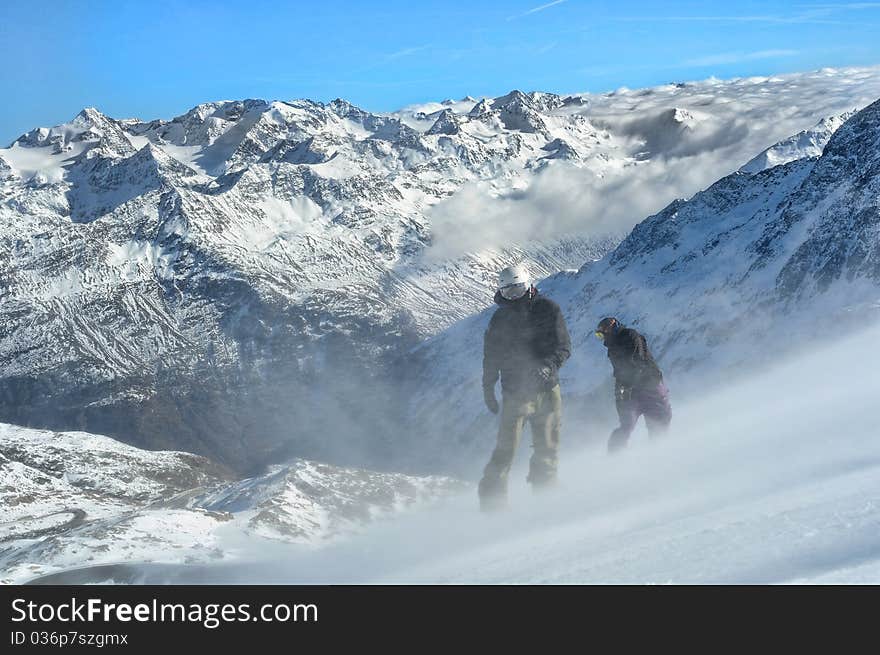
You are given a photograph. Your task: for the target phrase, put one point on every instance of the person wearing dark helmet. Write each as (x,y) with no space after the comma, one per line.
(638,382)
(525,344)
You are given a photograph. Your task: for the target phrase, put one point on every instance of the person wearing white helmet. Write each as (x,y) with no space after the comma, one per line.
(525,344)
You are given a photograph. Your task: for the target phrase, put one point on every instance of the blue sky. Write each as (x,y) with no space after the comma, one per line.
(159,58)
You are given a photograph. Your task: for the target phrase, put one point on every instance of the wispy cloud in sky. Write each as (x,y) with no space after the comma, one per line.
(718,59)
(757,18)
(535,10)
(391,57)
(547,47)
(406,52)
(845,6)
(737,57)
(816,14)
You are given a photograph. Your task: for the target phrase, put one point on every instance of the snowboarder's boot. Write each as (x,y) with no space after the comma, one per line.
(617,441)
(541,478)
(493,503)
(493,494)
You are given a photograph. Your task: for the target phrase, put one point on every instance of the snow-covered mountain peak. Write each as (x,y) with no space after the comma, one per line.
(683,116)
(807,143)
(44,155)
(483,107)
(448,122)
(345,109)
(89,117)
(521,112)
(514,97)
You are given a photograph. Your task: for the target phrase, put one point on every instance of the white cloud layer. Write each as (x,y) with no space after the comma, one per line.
(654,156)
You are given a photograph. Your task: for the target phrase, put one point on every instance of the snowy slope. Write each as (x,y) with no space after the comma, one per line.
(753,485)
(783,489)
(68,498)
(73,499)
(773,479)
(245,281)
(755,266)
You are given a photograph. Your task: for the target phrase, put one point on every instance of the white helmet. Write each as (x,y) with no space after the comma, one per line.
(513,282)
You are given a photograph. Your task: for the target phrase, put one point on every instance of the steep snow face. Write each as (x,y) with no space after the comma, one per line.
(73,499)
(755,266)
(796,244)
(246,280)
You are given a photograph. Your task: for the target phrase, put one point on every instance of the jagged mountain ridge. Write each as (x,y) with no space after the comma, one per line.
(217,242)
(246,280)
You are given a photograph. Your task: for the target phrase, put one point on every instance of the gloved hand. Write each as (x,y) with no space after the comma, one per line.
(622,393)
(490,400)
(544,374)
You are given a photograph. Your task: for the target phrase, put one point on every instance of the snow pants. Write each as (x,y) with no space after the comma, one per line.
(652,402)
(543,411)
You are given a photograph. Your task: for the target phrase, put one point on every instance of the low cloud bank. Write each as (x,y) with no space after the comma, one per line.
(667,142)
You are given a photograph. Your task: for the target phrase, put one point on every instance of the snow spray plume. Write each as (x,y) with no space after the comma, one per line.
(774,491)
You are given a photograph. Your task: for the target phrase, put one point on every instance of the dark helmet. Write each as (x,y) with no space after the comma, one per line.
(608,325)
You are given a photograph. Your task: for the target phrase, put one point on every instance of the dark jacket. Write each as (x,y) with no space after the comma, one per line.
(634,367)
(524,335)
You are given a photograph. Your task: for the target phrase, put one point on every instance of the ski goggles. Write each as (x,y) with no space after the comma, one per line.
(514,291)
(599,334)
